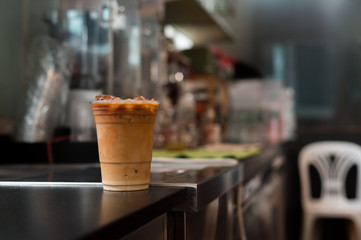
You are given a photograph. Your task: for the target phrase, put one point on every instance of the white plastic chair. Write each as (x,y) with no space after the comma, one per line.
(332,160)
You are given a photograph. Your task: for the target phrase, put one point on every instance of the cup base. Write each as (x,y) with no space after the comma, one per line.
(125,188)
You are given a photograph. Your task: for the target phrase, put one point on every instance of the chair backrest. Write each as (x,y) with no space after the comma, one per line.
(333,161)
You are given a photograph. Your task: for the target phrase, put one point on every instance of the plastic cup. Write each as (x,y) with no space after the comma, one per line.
(125,142)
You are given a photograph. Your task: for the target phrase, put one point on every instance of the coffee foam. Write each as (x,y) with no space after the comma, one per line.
(136,105)
(114,99)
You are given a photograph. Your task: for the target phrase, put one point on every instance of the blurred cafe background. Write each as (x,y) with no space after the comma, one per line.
(248,73)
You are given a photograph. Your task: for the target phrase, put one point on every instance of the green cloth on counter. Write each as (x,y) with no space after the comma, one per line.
(206,153)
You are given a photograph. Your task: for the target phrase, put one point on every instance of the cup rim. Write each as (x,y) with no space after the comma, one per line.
(127,101)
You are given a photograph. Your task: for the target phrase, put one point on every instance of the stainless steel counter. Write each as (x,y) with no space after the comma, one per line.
(205,179)
(72,204)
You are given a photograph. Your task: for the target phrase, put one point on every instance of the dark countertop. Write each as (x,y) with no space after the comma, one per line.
(252,165)
(72,204)
(49,212)
(202,185)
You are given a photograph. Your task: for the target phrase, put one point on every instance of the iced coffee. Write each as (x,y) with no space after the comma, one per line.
(125,140)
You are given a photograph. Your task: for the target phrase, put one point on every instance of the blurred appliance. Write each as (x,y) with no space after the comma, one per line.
(262,111)
(247,115)
(151,12)
(66,46)
(74,49)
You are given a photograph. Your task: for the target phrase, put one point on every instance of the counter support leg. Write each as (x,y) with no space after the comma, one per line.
(176,225)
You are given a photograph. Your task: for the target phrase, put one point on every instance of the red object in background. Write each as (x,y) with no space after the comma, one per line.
(224,61)
(49,147)
(274,130)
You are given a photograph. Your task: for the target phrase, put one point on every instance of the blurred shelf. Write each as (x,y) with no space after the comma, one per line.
(191,18)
